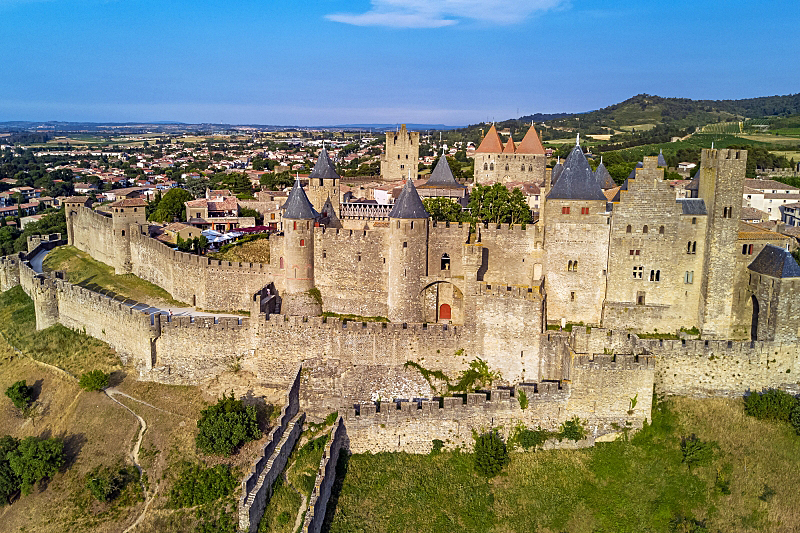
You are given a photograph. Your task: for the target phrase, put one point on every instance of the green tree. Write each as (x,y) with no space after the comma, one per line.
(9,482)
(94,381)
(225,426)
(443,209)
(172,206)
(276,181)
(35,459)
(496,204)
(773,404)
(197,186)
(490,455)
(697,452)
(20,394)
(248,212)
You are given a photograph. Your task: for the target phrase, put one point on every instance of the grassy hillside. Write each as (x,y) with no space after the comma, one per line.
(631,485)
(101,433)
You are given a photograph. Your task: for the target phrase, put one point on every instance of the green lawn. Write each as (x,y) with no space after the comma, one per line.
(635,485)
(57,345)
(82,270)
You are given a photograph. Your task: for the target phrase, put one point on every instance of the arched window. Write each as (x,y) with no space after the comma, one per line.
(281,263)
(628,229)
(294,226)
(644,229)
(652,275)
(444,312)
(574,266)
(302,242)
(491,167)
(689,247)
(523,168)
(445,264)
(486,166)
(569,266)
(661,230)
(694,247)
(658,275)
(506,167)
(272,216)
(530,168)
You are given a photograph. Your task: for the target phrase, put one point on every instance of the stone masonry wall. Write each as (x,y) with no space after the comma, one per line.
(599,394)
(326,475)
(257,485)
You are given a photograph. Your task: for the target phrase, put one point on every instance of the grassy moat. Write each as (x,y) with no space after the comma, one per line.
(634,485)
(82,270)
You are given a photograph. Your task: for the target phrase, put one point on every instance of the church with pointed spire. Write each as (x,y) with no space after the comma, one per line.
(499,162)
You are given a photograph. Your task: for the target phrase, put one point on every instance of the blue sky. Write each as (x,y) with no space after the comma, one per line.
(334,61)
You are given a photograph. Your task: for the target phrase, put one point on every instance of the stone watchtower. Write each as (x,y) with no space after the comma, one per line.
(71,207)
(408,255)
(126,215)
(323,184)
(298,222)
(401,155)
(722,174)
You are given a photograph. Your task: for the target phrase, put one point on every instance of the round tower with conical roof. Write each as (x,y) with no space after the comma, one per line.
(408,255)
(299,217)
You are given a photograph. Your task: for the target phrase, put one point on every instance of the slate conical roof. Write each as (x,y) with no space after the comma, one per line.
(324,168)
(491,144)
(577,181)
(510,148)
(408,204)
(442,176)
(661,161)
(530,143)
(557,170)
(603,177)
(775,262)
(297,205)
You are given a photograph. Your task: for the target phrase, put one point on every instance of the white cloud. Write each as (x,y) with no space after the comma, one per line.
(439,13)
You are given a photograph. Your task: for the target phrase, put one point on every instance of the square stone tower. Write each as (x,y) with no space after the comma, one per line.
(400,155)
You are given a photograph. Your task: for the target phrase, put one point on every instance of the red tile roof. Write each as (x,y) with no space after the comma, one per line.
(491,144)
(531,143)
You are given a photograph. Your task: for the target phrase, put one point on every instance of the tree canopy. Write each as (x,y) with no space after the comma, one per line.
(496,204)
(444,210)
(225,426)
(172,206)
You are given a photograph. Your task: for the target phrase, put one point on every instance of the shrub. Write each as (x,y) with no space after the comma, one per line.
(794,417)
(523,399)
(106,483)
(437,447)
(697,452)
(35,459)
(572,429)
(284,518)
(491,454)
(197,485)
(20,394)
(225,426)
(773,404)
(528,438)
(9,481)
(94,381)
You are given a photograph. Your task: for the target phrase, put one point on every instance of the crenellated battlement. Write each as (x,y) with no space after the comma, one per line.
(205,322)
(493,401)
(614,362)
(355,327)
(506,291)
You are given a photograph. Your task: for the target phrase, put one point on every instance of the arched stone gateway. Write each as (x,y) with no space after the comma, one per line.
(442,302)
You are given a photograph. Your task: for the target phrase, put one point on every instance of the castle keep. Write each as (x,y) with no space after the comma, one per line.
(642,262)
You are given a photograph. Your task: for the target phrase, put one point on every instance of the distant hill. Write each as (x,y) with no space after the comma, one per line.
(680,112)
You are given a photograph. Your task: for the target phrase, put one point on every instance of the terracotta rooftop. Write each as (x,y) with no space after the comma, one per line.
(769,184)
(751,232)
(751,213)
(530,143)
(491,144)
(129,202)
(75,199)
(510,148)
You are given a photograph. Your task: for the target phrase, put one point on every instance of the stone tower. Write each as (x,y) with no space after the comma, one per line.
(408,255)
(576,243)
(71,207)
(722,174)
(126,216)
(401,154)
(323,183)
(298,222)
(499,163)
